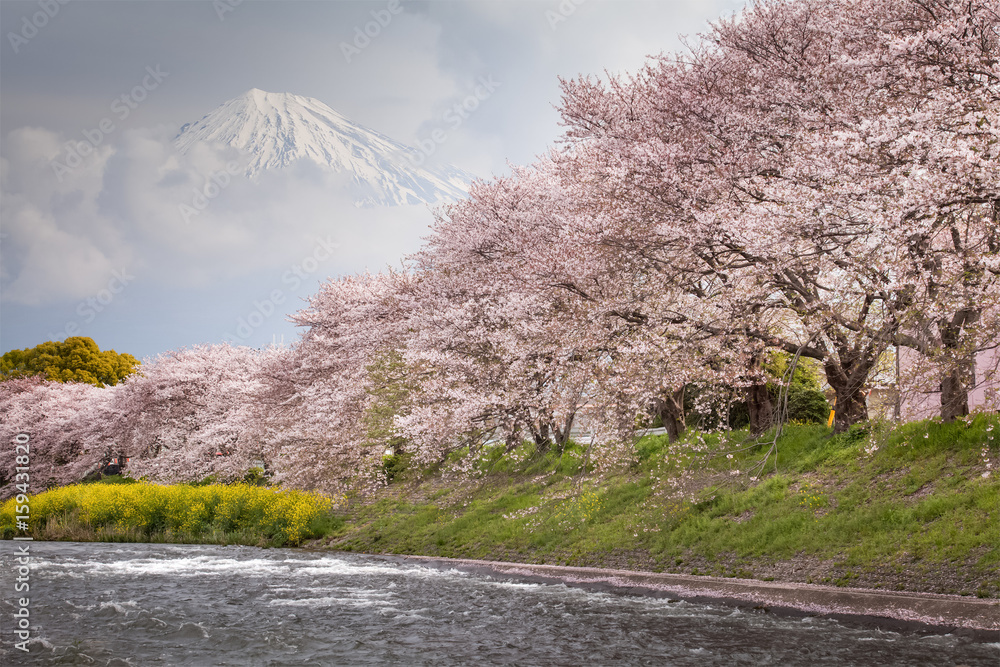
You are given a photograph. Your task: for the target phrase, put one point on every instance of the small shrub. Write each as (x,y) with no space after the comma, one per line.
(807,405)
(393,465)
(256,476)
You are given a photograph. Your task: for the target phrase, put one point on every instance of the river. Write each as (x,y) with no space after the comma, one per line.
(156,604)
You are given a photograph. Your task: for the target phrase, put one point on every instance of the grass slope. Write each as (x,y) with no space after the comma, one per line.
(911,507)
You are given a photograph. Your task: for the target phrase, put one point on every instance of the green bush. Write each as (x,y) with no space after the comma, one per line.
(807,405)
(395,465)
(255,476)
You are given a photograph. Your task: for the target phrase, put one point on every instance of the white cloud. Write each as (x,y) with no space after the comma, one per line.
(124,207)
(121,208)
(56,241)
(403,78)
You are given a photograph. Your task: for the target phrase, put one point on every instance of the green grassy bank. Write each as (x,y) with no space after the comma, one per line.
(913,507)
(206,514)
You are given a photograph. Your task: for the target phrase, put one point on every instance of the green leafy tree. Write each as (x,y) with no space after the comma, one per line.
(808,372)
(76,359)
(389,395)
(806,401)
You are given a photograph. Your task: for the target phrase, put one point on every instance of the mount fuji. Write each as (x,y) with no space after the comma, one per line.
(274,130)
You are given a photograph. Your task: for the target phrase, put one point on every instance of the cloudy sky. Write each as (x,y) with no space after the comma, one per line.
(93,244)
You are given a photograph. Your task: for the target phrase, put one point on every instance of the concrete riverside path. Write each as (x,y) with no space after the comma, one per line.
(892,610)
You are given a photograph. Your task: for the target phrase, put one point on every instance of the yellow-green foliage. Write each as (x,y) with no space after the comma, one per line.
(76,359)
(568,513)
(178,512)
(581,509)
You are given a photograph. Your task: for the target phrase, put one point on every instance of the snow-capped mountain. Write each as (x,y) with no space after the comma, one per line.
(276,129)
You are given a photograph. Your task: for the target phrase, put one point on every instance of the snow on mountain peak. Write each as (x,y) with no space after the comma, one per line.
(276,129)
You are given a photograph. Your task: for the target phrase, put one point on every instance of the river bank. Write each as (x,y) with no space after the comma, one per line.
(891,611)
(912,508)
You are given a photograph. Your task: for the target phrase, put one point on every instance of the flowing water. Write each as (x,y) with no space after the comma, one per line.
(139,604)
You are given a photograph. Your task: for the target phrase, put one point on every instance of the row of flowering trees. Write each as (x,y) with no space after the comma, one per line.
(182,417)
(820,178)
(831,164)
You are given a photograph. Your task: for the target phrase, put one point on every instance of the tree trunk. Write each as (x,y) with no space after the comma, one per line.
(848,381)
(562,435)
(851,408)
(957,380)
(670,409)
(513,440)
(760,407)
(541,436)
(954,394)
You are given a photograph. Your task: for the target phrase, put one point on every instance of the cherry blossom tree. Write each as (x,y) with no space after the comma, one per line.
(536,287)
(190,414)
(65,425)
(761,156)
(328,419)
(508,349)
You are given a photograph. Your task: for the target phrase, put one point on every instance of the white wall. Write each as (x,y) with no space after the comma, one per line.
(920,403)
